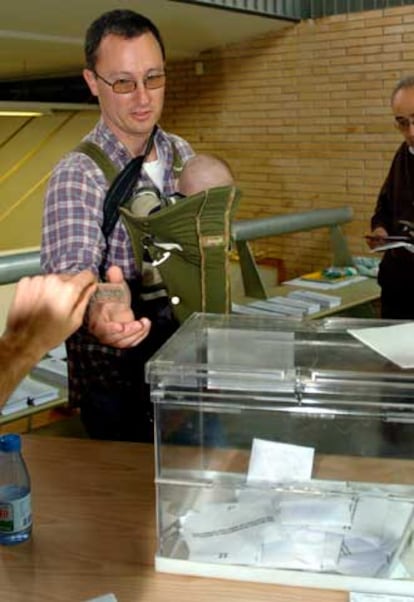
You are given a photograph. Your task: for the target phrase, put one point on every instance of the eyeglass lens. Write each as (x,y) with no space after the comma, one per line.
(151,81)
(404,122)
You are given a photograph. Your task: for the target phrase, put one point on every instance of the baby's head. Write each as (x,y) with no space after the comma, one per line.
(201,172)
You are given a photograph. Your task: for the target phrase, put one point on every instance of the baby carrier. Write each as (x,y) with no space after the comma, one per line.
(181,247)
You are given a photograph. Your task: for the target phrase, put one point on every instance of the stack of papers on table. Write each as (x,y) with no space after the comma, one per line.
(54,367)
(393,342)
(322,299)
(324,284)
(30,392)
(363,597)
(252,309)
(279,306)
(299,306)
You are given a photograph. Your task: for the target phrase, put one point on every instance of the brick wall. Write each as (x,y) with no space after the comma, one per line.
(303,117)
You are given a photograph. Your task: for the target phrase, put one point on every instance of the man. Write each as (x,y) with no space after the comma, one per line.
(125,70)
(44,311)
(395,205)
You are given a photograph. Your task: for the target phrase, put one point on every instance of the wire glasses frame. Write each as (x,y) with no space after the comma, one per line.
(403,123)
(152,81)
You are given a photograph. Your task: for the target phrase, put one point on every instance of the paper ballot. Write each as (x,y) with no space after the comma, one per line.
(393,342)
(274,462)
(227,532)
(308,526)
(362,597)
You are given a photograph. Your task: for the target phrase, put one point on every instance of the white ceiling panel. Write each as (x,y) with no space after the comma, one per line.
(45,37)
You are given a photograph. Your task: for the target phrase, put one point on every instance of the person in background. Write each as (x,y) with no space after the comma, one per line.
(125,70)
(204,171)
(395,205)
(44,311)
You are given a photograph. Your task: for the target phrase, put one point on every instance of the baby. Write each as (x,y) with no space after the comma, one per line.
(204,171)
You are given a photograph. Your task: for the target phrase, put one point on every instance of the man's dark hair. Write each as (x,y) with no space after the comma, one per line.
(119,22)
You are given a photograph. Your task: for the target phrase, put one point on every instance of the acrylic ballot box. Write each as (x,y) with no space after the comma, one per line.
(284,454)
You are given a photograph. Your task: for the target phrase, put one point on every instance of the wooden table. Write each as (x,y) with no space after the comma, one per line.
(353,296)
(94,533)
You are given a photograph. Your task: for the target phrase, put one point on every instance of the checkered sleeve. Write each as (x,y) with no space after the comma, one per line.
(72,239)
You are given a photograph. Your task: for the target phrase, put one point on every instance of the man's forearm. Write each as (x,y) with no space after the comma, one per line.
(16,360)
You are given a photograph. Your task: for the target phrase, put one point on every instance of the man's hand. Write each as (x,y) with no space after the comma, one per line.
(111,319)
(377,237)
(47,309)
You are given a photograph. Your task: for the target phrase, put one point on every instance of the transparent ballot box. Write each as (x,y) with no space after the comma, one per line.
(284,454)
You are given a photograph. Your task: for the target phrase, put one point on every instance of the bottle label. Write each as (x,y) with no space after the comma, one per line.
(16,515)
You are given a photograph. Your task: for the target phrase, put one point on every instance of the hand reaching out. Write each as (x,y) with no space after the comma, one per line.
(111,319)
(44,311)
(47,309)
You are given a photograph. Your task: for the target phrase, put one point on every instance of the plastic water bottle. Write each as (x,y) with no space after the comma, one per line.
(15,498)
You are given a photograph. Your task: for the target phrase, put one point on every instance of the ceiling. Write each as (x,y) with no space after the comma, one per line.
(45,37)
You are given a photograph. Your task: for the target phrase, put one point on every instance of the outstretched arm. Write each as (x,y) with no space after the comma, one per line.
(45,310)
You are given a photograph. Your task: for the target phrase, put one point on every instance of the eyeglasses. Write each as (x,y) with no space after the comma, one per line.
(403,123)
(152,81)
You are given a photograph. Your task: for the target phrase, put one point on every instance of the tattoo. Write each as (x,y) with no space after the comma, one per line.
(109,292)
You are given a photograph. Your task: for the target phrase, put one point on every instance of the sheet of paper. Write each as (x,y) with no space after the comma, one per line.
(330,512)
(216,521)
(324,286)
(58,352)
(381,518)
(379,531)
(393,342)
(227,533)
(31,391)
(394,245)
(346,534)
(234,550)
(12,407)
(302,549)
(279,462)
(361,597)
(54,366)
(363,564)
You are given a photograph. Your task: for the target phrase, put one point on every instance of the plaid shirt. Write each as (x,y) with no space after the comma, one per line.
(72,240)
(73,214)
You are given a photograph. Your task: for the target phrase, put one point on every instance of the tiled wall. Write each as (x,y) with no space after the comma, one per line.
(304,119)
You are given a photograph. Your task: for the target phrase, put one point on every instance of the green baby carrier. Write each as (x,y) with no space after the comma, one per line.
(181,247)
(188,242)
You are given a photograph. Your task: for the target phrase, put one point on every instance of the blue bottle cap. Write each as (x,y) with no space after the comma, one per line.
(10,443)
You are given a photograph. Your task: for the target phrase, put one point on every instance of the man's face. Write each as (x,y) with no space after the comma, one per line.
(403,109)
(130,116)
